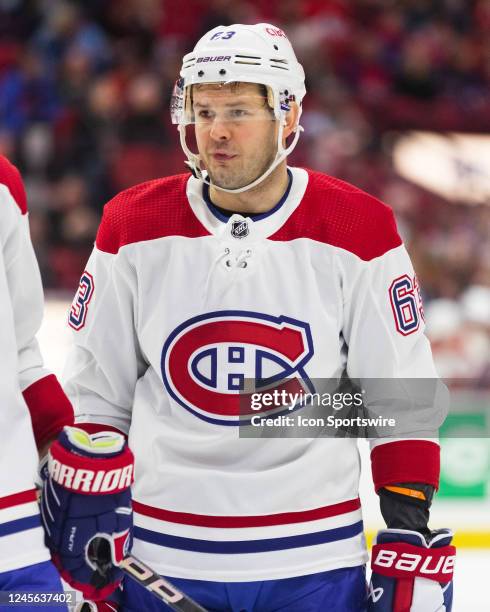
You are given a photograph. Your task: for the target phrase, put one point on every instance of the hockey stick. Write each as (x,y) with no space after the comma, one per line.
(161,588)
(99,554)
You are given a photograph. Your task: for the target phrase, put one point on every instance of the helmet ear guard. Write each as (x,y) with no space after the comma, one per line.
(239,53)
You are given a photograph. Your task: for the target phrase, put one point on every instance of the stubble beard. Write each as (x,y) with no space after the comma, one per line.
(235,178)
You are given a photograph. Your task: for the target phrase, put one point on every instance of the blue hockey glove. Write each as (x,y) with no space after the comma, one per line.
(410,574)
(86,508)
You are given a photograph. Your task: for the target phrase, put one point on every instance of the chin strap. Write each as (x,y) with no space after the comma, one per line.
(194,160)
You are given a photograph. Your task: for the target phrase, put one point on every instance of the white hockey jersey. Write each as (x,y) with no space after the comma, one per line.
(179,304)
(29,395)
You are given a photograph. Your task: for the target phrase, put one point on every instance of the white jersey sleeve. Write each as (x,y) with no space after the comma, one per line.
(381,343)
(388,352)
(47,408)
(106,361)
(26,296)
(48,405)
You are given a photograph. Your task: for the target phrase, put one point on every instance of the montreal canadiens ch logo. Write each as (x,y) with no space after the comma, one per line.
(207,359)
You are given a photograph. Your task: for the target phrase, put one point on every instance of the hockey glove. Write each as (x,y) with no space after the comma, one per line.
(86,508)
(411,574)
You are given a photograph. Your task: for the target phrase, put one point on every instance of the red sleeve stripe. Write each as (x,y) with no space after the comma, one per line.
(231,522)
(406,461)
(16,499)
(49,407)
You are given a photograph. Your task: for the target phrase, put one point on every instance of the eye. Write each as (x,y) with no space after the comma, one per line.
(239,113)
(205,114)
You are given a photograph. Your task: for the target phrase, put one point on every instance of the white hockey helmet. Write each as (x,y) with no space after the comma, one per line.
(258,53)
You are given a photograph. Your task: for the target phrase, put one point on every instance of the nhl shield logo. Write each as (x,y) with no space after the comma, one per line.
(239,229)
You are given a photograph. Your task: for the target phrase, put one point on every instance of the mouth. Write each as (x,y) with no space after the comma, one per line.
(222,157)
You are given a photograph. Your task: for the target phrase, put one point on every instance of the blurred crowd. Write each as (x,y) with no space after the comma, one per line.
(84,96)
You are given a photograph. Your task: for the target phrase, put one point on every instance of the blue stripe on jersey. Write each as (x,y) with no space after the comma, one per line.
(248,546)
(22,524)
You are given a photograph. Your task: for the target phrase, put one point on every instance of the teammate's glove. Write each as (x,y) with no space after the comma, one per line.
(86,508)
(411,574)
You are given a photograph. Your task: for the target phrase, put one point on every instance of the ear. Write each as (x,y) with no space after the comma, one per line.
(290,120)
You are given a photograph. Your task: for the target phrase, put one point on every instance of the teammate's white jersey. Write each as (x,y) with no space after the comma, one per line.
(21,308)
(179,304)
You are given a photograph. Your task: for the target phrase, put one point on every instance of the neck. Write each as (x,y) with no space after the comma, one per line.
(260,199)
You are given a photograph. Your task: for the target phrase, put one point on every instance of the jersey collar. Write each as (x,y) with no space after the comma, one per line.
(265,223)
(255,217)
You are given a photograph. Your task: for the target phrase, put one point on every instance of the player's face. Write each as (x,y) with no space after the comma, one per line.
(235,133)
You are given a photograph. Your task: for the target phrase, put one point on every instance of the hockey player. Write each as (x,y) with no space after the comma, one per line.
(33,406)
(250,269)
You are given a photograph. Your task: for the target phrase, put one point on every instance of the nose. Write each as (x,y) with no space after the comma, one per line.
(219,130)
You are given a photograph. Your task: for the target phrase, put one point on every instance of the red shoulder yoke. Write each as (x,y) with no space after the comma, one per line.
(10,176)
(337,213)
(148,211)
